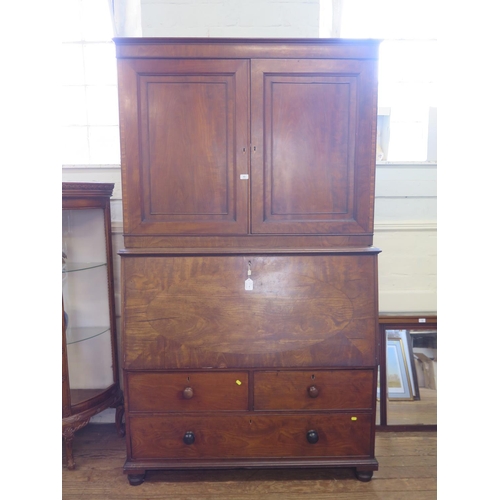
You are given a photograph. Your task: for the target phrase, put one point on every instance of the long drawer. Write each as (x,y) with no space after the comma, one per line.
(187,391)
(208,436)
(313,390)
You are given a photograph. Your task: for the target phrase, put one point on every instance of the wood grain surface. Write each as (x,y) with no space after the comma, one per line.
(229,436)
(194,312)
(165,391)
(336,389)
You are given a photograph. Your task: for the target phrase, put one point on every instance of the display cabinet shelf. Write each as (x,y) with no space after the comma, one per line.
(82,266)
(75,335)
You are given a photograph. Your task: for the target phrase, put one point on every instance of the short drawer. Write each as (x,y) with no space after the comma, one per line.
(250,436)
(313,390)
(187,391)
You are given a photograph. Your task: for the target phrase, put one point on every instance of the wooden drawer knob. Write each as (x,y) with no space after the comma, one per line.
(188,393)
(313,391)
(188,438)
(312,437)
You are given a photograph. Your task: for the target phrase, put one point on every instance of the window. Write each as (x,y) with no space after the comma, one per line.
(89,92)
(407,73)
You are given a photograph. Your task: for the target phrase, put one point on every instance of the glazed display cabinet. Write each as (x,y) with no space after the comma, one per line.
(90,382)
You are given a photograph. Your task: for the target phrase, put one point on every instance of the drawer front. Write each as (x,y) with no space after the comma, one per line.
(313,390)
(187,391)
(250,436)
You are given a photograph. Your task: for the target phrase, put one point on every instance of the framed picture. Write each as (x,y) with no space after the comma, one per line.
(398,374)
(408,356)
(413,368)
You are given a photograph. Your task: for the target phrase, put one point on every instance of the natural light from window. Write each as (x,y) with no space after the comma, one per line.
(407,101)
(90,134)
(407,73)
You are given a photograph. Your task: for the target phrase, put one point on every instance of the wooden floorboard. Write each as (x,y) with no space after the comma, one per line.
(407,470)
(421,412)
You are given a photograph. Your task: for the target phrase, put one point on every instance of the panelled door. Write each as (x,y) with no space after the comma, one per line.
(311,146)
(184,146)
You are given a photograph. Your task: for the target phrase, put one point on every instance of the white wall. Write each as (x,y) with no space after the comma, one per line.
(406,231)
(231,18)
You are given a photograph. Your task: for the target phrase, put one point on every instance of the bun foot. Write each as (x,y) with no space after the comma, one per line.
(136,479)
(364,475)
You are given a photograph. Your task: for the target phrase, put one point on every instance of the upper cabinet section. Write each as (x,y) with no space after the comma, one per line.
(241,140)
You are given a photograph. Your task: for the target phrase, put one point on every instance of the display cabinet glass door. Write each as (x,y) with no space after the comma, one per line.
(86,304)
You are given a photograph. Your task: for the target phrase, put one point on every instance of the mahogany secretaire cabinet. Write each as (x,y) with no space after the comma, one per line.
(249,280)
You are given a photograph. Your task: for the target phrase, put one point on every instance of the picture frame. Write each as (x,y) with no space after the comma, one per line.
(407,341)
(398,374)
(413,368)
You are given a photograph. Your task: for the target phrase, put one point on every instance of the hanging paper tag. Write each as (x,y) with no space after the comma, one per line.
(249,284)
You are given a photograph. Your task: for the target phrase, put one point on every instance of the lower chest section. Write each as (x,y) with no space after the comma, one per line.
(285,414)
(245,360)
